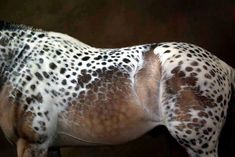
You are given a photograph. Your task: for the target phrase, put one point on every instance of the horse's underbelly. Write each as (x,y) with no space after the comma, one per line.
(110,122)
(99,132)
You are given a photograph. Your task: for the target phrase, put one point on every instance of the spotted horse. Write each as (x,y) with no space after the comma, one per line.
(58,91)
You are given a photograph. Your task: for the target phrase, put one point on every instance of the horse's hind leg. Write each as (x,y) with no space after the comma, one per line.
(193,120)
(25,149)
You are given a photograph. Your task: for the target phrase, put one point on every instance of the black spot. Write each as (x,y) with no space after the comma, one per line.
(88,64)
(73,81)
(219,98)
(200,151)
(23,83)
(54,92)
(41,52)
(45,48)
(2,50)
(28,100)
(85,58)
(26,47)
(40,60)
(193,142)
(212,72)
(105,57)
(205,67)
(58,52)
(194,63)
(178,56)
(83,71)
(205,145)
(175,70)
(62,89)
(52,65)
(62,70)
(38,97)
(28,78)
(204,55)
(45,74)
(39,76)
(181,74)
(76,57)
(188,69)
(209,129)
(25,107)
(189,55)
(36,128)
(126,60)
(4,41)
(208,64)
(167,51)
(33,87)
(46,114)
(29,36)
(74,94)
(41,35)
(31,108)
(166,46)
(191,51)
(205,132)
(64,82)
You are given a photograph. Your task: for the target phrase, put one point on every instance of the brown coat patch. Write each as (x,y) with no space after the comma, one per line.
(7,113)
(190,99)
(147,81)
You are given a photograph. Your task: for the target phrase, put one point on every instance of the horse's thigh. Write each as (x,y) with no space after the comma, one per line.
(192,119)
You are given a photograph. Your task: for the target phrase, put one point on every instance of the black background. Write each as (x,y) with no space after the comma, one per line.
(118,23)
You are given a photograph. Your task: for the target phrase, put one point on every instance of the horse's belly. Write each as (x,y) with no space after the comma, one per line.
(100,135)
(112,124)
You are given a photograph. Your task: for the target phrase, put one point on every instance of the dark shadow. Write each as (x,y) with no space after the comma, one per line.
(227,137)
(175,150)
(7,149)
